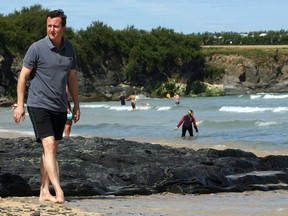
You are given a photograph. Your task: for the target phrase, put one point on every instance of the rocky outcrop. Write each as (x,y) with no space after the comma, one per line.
(7,78)
(245,75)
(98,166)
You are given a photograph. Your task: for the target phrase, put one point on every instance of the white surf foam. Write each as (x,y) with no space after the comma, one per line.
(165,108)
(265,124)
(271,96)
(240,109)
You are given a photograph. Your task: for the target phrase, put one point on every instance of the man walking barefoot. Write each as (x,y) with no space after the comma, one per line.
(50,64)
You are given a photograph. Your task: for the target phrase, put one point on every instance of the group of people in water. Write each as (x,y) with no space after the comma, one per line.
(132,98)
(187,121)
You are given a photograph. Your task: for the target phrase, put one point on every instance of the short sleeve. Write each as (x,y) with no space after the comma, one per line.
(30,58)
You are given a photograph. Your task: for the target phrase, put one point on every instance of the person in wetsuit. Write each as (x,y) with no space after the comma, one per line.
(187,121)
(122,100)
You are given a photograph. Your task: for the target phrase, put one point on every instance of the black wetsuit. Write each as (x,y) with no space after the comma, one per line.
(122,99)
(187,125)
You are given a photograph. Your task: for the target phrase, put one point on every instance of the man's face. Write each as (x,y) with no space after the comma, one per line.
(55,29)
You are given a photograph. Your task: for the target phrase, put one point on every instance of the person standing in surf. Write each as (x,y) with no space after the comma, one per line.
(176,98)
(122,100)
(187,121)
(132,98)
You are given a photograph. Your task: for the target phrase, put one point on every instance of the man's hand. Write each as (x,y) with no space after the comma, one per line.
(76,114)
(19,113)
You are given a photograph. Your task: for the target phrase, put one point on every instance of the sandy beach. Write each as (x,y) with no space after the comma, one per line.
(247,203)
(27,206)
(9,135)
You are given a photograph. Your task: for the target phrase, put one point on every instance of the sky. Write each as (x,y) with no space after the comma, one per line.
(183,16)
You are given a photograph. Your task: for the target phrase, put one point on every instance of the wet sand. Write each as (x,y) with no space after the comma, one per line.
(10,135)
(247,203)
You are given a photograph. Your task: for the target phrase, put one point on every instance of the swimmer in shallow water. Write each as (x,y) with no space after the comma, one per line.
(176,98)
(132,98)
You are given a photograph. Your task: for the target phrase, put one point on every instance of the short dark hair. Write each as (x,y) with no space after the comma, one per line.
(58,13)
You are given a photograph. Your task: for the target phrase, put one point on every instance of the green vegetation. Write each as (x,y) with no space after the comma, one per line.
(159,61)
(259,51)
(20,29)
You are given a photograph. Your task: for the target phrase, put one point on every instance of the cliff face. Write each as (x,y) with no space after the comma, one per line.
(242,75)
(8,80)
(252,75)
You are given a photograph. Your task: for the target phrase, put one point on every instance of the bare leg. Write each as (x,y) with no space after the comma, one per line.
(50,164)
(45,194)
(67,129)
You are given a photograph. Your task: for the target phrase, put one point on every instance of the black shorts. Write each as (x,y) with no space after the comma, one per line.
(47,123)
(133,104)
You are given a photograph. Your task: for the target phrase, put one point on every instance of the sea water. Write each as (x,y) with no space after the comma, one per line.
(255,122)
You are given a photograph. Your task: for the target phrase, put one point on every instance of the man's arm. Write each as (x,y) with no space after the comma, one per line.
(19,111)
(72,83)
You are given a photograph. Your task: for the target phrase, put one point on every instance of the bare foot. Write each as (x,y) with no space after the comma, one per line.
(60,197)
(47,197)
(60,201)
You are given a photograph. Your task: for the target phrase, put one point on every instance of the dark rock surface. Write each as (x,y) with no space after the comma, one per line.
(103,166)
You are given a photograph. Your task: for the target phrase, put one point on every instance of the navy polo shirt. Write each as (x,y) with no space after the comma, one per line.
(49,75)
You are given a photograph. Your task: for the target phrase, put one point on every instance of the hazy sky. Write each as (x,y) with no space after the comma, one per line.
(186,16)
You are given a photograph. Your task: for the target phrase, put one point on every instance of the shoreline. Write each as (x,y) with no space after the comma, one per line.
(257,151)
(255,202)
(11,135)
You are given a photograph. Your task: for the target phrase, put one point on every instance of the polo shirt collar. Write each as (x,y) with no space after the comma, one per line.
(51,45)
